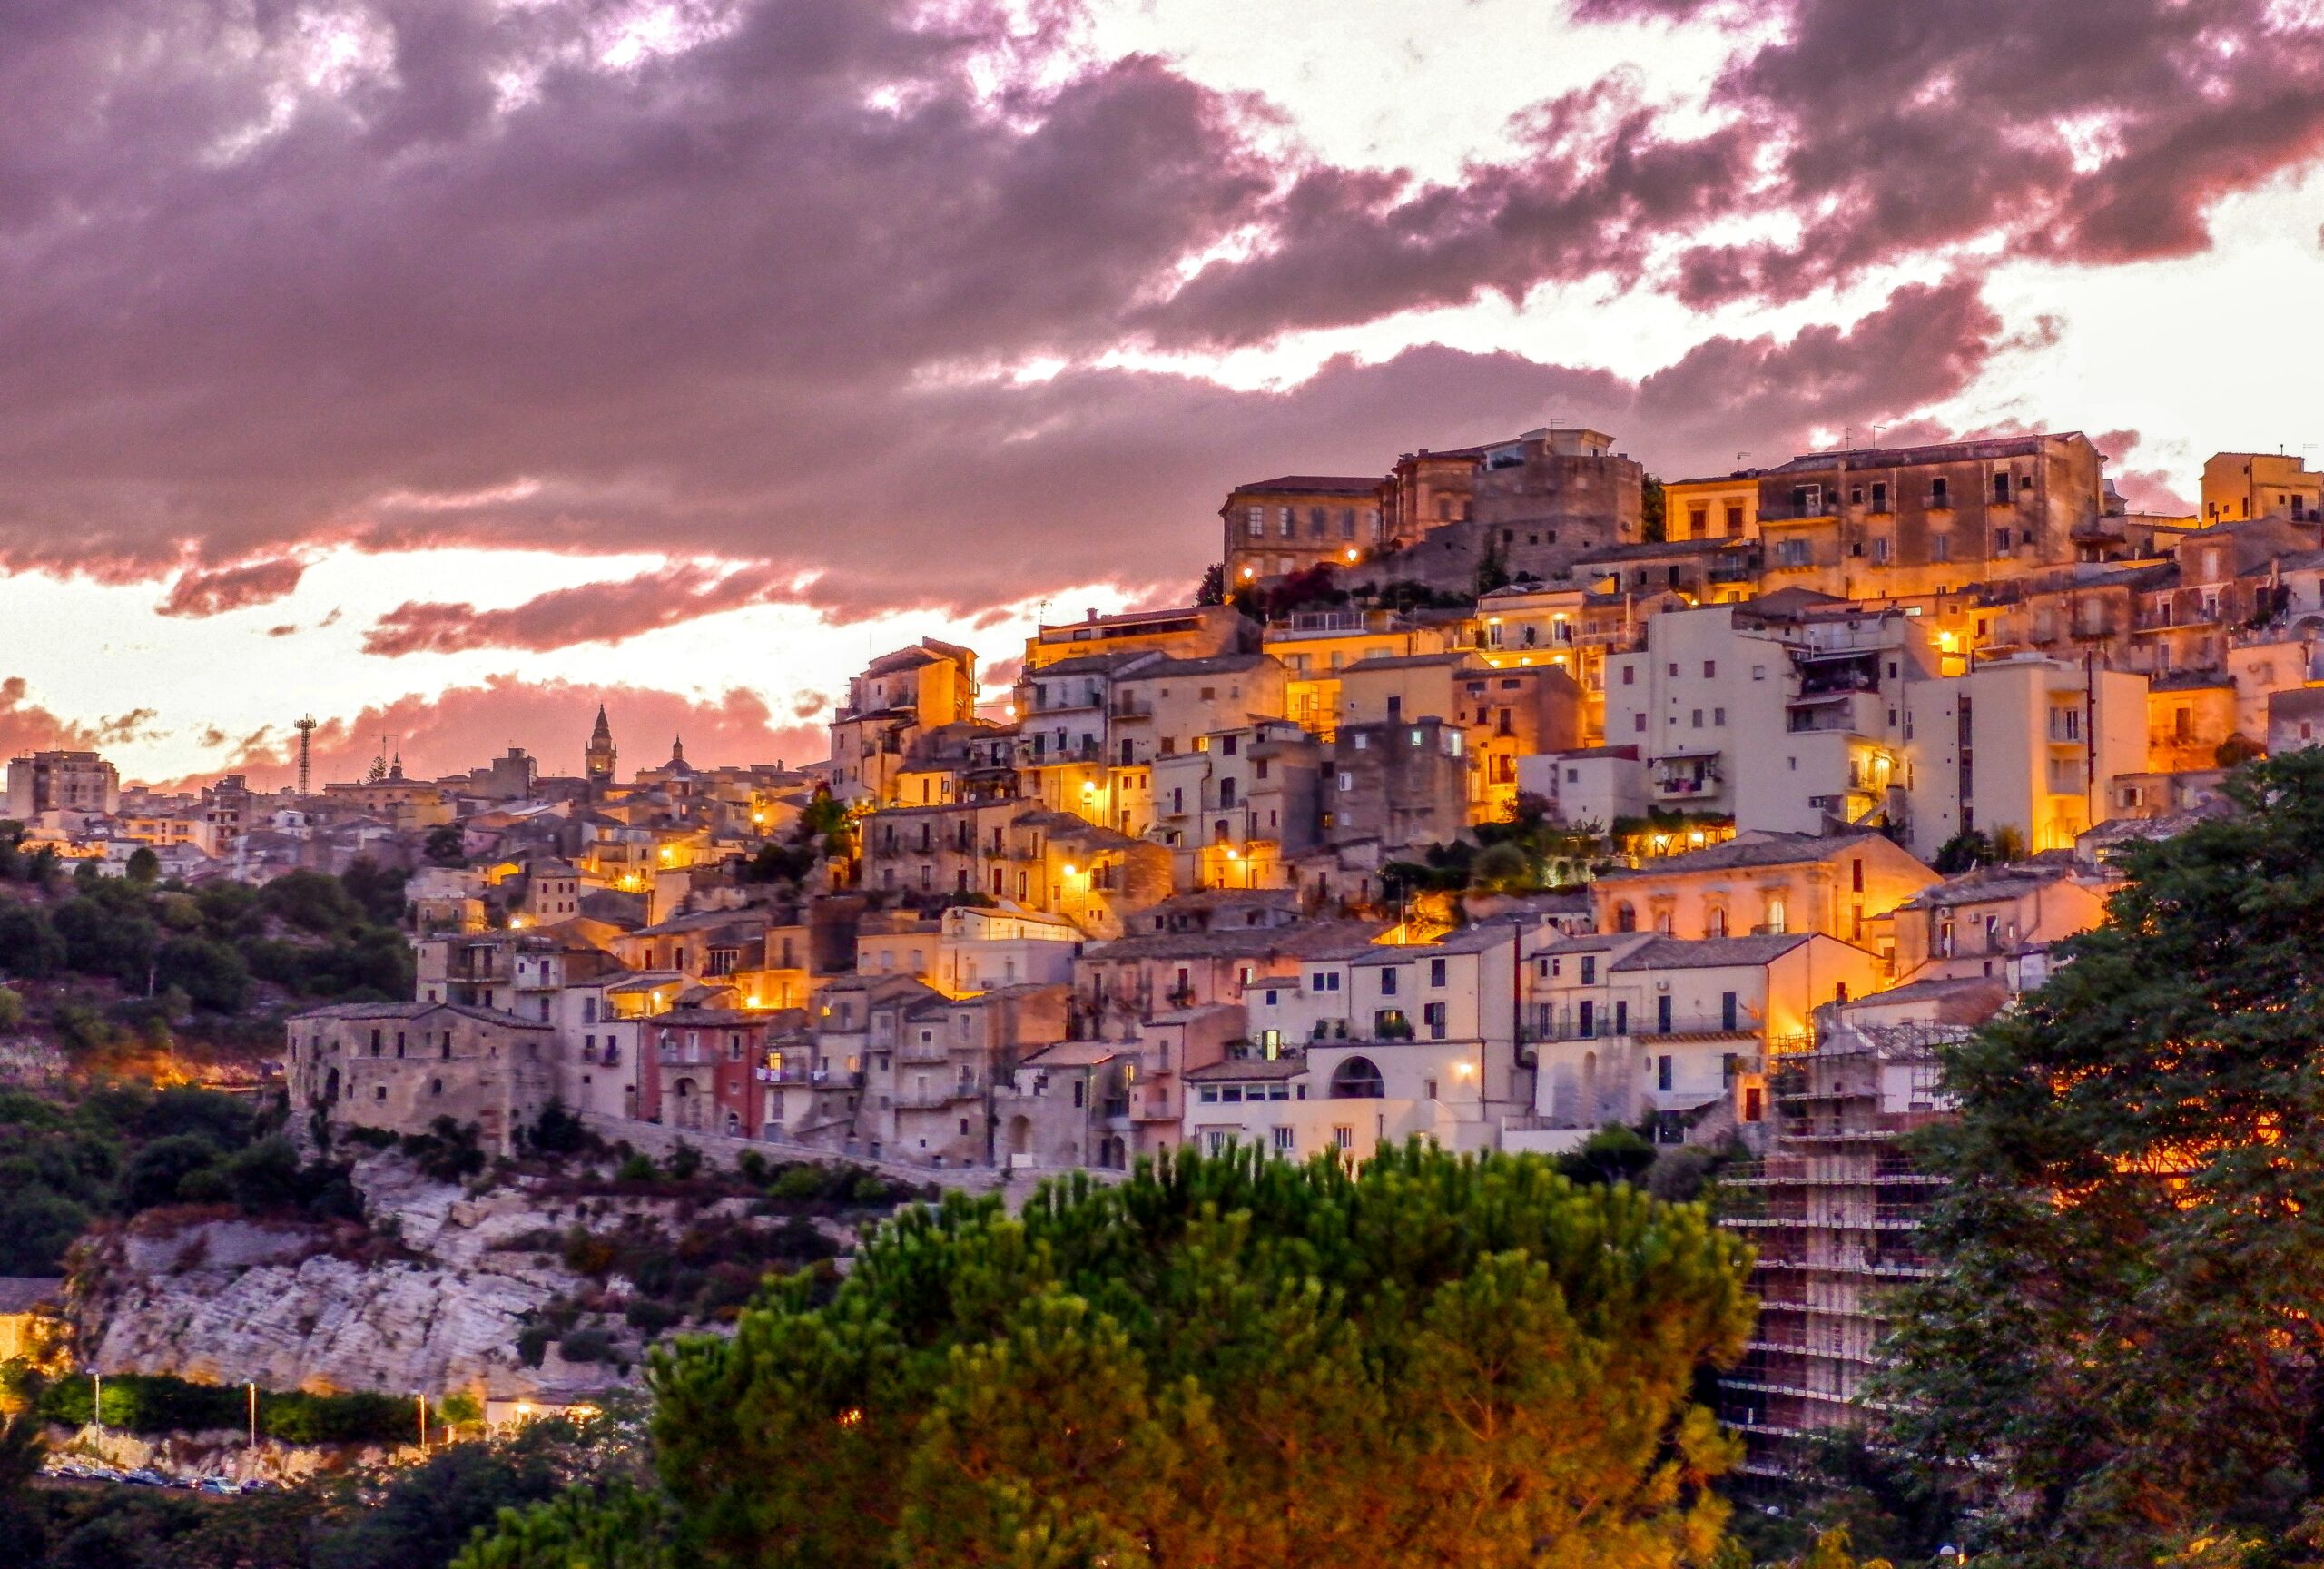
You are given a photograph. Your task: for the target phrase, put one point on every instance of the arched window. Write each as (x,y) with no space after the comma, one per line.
(1625,916)
(1357,1080)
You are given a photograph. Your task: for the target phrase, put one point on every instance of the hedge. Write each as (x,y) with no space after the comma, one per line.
(158,1403)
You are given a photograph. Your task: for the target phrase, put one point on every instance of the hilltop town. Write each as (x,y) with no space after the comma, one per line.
(1492,800)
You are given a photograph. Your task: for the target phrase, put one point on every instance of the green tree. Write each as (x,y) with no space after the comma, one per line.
(1430,1361)
(1967,849)
(2123,1337)
(29,945)
(424,1515)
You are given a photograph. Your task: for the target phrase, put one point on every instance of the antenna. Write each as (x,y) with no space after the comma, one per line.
(306,728)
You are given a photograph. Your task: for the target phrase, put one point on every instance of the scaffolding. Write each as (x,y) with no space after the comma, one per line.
(1833,1209)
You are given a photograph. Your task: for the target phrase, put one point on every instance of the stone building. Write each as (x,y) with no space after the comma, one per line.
(899,699)
(1915,521)
(400,1066)
(1397,785)
(1288,524)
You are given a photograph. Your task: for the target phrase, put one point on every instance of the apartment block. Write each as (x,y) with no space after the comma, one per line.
(1632,1027)
(2026,743)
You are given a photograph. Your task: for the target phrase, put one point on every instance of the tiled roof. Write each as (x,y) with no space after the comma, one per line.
(1710,952)
(1736,855)
(1333,484)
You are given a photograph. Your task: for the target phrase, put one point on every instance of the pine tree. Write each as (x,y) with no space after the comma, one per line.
(1224,1361)
(2122,1341)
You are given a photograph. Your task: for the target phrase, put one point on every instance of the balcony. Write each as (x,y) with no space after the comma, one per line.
(935,1096)
(1066,702)
(1679,1026)
(1684,775)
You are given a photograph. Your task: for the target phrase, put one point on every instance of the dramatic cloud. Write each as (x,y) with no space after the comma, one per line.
(835,292)
(26,726)
(210,592)
(592,612)
(466,727)
(2146,490)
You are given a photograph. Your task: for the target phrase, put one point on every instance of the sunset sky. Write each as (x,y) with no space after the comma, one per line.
(442,368)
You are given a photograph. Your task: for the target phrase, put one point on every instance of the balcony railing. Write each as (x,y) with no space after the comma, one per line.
(1681,1024)
(935,1096)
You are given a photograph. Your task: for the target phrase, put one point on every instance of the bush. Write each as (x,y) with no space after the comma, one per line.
(156,1171)
(586,1346)
(649,1316)
(557,1132)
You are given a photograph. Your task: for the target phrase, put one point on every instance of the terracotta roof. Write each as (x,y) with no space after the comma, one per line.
(1710,952)
(1333,484)
(1764,849)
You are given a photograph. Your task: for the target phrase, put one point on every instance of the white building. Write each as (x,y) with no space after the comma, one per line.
(1629,1027)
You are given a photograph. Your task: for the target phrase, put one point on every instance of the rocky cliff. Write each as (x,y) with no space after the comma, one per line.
(296,1306)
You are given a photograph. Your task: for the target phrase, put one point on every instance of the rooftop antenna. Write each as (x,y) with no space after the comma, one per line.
(306,728)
